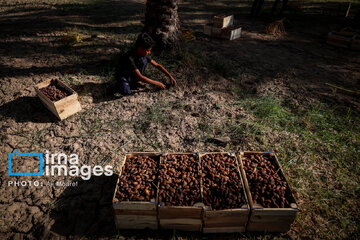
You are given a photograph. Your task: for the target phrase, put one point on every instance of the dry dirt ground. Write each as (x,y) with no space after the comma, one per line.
(219,86)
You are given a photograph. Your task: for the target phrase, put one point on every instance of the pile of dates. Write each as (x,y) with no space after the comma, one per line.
(54,92)
(179,180)
(267,187)
(138,179)
(222,187)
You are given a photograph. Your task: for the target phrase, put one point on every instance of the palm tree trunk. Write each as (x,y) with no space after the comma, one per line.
(162,23)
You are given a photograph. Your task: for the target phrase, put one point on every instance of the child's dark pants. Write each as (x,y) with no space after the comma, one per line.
(125,84)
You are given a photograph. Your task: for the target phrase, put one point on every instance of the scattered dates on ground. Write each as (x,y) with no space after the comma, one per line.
(54,92)
(267,187)
(179,179)
(222,187)
(138,179)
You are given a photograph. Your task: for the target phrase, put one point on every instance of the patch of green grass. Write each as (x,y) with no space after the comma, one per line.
(331,142)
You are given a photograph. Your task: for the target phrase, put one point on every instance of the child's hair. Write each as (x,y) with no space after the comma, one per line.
(145,41)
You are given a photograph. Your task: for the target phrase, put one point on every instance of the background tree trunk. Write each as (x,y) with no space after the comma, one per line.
(162,23)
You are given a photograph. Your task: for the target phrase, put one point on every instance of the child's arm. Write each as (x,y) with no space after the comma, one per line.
(142,78)
(161,68)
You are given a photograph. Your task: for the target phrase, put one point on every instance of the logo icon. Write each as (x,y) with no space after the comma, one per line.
(16,153)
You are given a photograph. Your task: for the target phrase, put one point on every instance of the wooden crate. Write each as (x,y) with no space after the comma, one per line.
(268,219)
(231,32)
(64,107)
(223,20)
(227,220)
(185,218)
(135,214)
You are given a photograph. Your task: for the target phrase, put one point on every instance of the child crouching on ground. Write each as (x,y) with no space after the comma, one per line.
(131,68)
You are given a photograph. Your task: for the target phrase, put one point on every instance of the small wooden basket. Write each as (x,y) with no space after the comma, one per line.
(64,107)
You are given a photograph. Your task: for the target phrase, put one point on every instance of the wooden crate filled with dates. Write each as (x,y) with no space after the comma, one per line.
(226,206)
(273,207)
(135,197)
(180,201)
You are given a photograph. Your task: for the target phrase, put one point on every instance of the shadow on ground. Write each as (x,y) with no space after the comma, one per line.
(36,32)
(85,209)
(102,92)
(27,109)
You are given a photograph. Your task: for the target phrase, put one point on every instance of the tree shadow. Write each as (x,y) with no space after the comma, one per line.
(27,109)
(36,30)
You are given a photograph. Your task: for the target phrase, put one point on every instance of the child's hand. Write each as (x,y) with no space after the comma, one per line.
(160,85)
(173,81)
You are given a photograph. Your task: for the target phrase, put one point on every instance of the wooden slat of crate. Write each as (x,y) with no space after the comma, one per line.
(181,217)
(230,218)
(128,218)
(184,218)
(135,208)
(271,219)
(135,222)
(64,107)
(170,212)
(223,20)
(227,220)
(268,219)
(135,214)
(182,224)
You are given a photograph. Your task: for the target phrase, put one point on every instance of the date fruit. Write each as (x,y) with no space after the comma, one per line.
(222,187)
(179,178)
(267,187)
(54,92)
(138,179)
